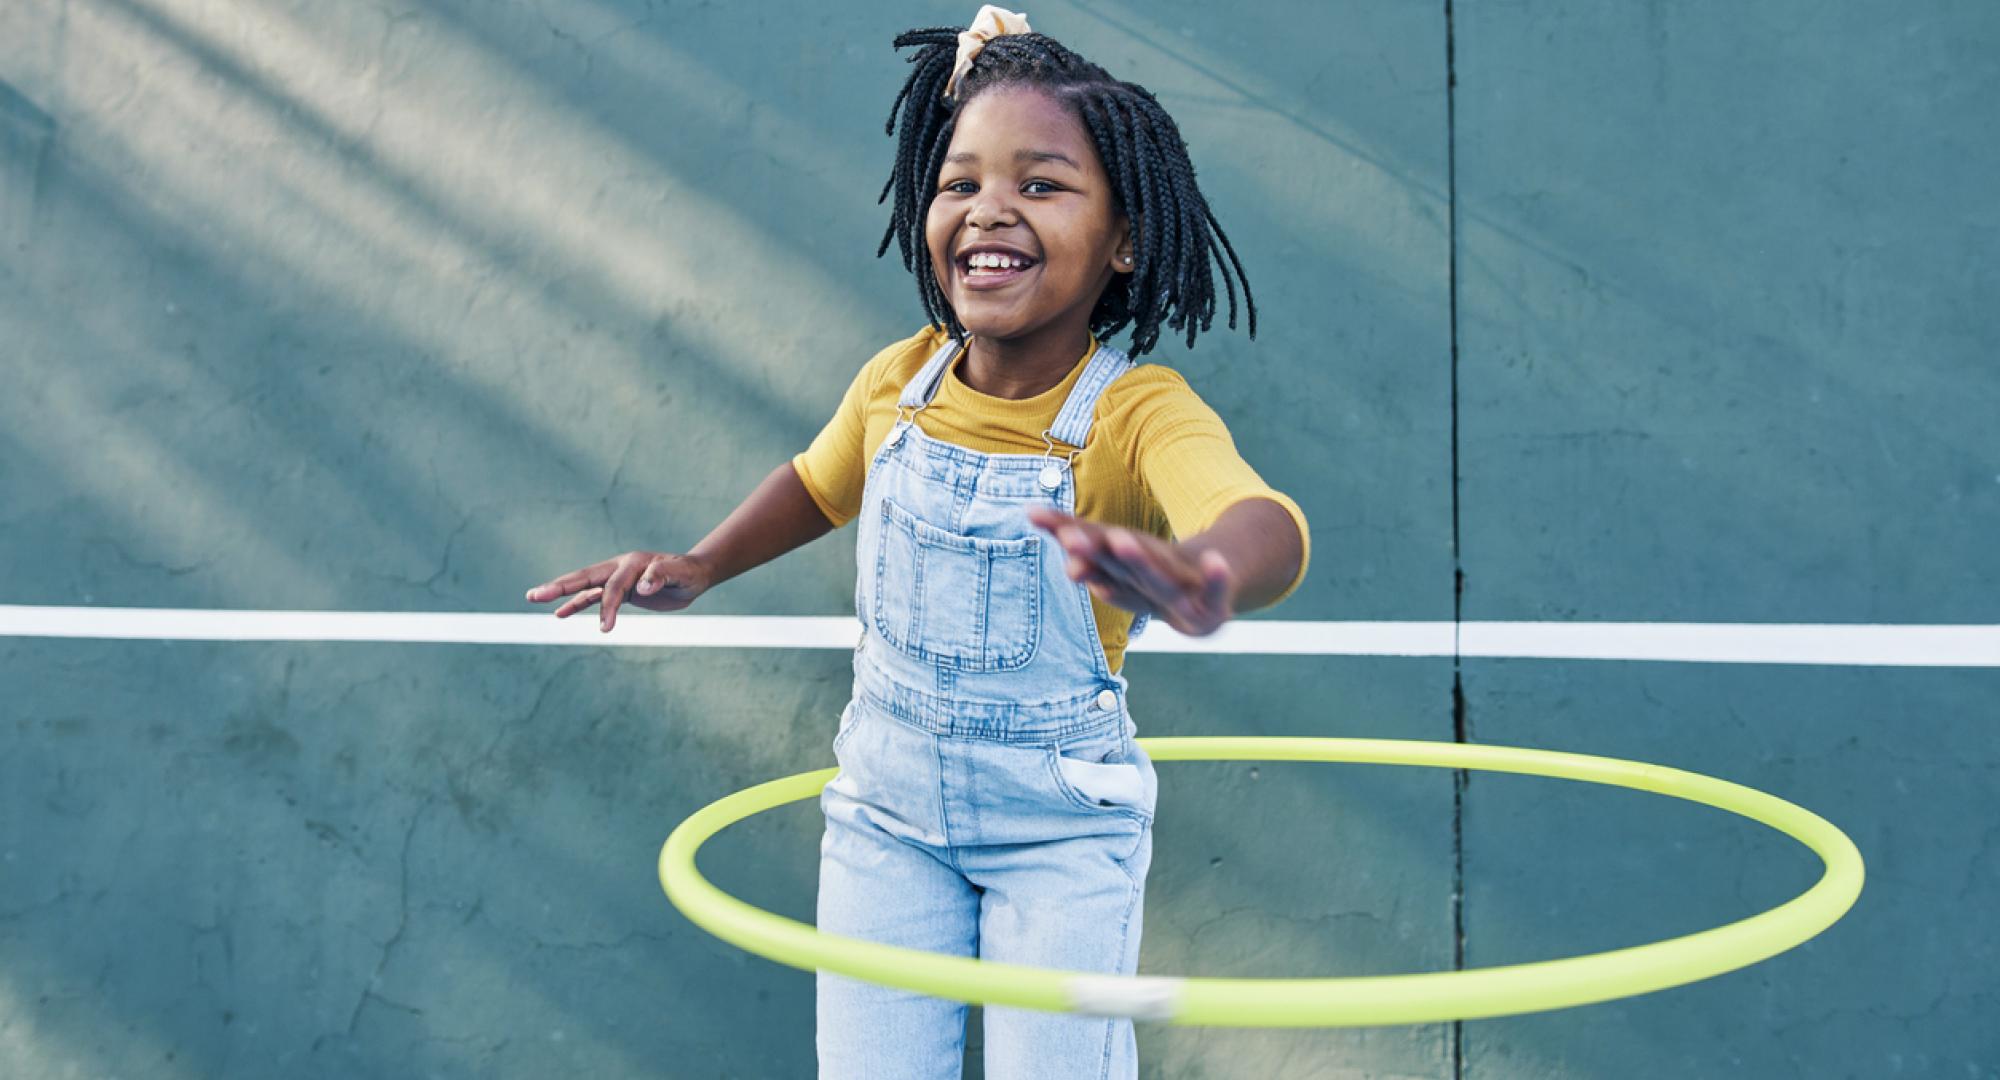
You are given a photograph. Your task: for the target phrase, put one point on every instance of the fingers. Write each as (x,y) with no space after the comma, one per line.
(1138,572)
(1193,595)
(1049,519)
(616,588)
(1089,556)
(1108,578)
(582,600)
(573,581)
(1118,573)
(1120,597)
(1151,567)
(562,586)
(662,570)
(590,585)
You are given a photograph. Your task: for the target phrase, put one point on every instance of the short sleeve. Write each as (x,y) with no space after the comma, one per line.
(1190,465)
(834,468)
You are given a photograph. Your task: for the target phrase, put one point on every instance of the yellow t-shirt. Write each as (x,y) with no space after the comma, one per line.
(1158,458)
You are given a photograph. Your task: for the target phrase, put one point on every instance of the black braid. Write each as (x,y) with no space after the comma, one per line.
(1142,152)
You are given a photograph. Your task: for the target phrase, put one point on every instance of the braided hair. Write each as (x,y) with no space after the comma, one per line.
(1142,152)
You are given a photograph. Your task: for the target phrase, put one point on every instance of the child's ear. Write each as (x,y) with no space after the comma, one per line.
(1122,254)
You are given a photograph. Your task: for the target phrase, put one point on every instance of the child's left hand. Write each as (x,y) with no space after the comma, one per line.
(1142,573)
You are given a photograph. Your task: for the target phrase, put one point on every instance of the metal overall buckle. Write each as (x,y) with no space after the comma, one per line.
(905,423)
(1051,477)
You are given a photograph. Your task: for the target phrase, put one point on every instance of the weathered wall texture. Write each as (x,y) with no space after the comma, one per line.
(1674,312)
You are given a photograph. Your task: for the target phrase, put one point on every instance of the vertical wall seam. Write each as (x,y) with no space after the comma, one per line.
(1459,726)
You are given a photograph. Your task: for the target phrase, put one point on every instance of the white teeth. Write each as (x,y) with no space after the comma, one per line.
(994,260)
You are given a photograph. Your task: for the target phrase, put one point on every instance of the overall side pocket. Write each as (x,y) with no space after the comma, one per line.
(1099,771)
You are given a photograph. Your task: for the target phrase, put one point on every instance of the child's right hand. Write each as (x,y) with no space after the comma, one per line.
(666,582)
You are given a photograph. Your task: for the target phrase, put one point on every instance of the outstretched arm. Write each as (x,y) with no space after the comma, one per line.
(778,516)
(1241,563)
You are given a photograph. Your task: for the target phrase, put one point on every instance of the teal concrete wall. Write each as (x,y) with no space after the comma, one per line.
(1725,333)
(1662,312)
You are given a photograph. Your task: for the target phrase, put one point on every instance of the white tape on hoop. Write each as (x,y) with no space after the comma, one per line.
(1141,997)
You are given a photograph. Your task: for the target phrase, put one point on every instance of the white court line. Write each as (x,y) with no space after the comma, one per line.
(1725,643)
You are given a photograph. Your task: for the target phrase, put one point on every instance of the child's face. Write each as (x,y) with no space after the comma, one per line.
(1057,213)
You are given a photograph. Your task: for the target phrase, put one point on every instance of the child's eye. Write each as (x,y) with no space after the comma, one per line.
(953,186)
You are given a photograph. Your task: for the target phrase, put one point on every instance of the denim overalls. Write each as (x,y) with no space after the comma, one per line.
(991,800)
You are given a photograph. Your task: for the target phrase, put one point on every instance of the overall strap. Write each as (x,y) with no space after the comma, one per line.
(917,393)
(1072,424)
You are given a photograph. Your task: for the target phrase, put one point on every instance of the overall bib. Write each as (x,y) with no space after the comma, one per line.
(991,800)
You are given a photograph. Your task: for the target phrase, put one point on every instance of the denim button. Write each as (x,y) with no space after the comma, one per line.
(1107,700)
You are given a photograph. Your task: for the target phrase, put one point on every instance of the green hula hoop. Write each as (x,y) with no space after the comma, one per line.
(1334,1002)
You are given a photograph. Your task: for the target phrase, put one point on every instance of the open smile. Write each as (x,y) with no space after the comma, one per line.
(983,278)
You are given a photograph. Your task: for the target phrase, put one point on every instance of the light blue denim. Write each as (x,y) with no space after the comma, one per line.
(991,800)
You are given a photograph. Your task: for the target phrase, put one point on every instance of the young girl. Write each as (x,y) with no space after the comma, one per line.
(1016,483)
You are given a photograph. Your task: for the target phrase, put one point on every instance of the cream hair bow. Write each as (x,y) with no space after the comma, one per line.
(990,23)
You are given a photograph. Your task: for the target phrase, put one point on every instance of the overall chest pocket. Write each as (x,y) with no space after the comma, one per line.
(970,603)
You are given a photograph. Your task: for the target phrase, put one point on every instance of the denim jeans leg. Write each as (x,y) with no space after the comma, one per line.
(878,887)
(1087,913)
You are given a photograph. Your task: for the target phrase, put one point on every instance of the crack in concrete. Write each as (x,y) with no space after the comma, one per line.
(617,477)
(458,781)
(429,584)
(160,567)
(402,926)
